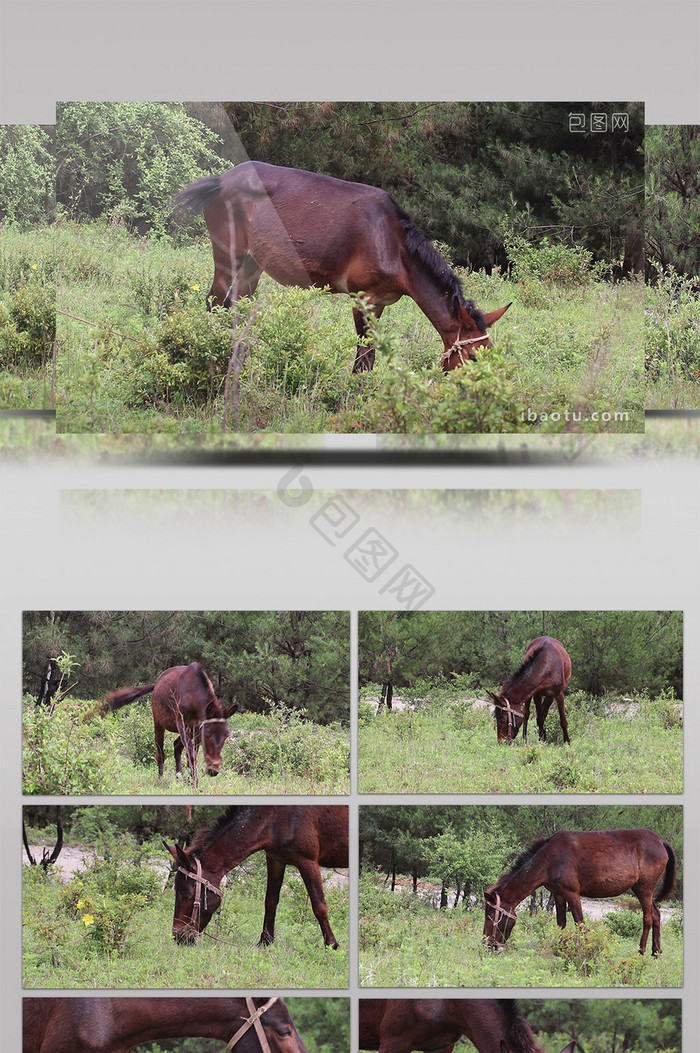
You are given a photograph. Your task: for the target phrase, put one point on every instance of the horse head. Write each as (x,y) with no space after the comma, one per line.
(499,920)
(508,718)
(469,338)
(215,731)
(197,896)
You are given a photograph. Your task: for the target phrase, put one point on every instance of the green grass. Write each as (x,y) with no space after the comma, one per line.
(60,952)
(278,753)
(407,943)
(559,348)
(28,267)
(448,747)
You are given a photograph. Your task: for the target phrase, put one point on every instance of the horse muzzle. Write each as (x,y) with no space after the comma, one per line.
(186,935)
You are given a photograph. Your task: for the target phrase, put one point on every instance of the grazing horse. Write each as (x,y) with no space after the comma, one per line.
(304,836)
(399,1025)
(574,863)
(117,1025)
(306,229)
(545,672)
(184,702)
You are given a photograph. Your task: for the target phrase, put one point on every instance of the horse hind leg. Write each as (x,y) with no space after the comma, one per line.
(314,886)
(562,718)
(159,735)
(364,357)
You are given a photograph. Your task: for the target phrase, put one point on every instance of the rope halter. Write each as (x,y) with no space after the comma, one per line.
(253,1021)
(510,710)
(200,883)
(500,912)
(459,344)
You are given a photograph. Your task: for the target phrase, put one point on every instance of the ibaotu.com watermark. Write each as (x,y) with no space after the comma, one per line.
(531,416)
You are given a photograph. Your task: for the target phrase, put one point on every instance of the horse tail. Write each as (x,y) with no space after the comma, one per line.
(117,699)
(195,197)
(669,875)
(519,1037)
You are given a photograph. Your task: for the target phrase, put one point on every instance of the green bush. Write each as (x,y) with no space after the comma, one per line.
(27,175)
(625,923)
(28,325)
(289,745)
(549,262)
(185,358)
(63,755)
(672,328)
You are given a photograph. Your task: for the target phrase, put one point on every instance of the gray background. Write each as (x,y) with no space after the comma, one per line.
(62,547)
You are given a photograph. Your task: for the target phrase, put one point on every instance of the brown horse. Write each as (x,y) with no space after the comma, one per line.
(304,836)
(574,863)
(184,702)
(116,1025)
(545,672)
(306,229)
(399,1025)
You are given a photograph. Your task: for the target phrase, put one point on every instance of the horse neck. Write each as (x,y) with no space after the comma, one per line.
(146,1020)
(233,844)
(519,692)
(435,305)
(514,888)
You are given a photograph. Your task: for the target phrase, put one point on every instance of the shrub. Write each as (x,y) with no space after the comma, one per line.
(548,262)
(185,358)
(28,325)
(672,328)
(625,923)
(62,754)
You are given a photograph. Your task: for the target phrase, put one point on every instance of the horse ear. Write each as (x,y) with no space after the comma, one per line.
(231,710)
(493,316)
(178,855)
(570,1048)
(494,698)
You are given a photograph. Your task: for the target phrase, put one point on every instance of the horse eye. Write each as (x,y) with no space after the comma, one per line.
(285,1032)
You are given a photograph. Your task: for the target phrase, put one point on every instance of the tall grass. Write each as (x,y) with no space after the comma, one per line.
(146,356)
(405,942)
(64,752)
(122,945)
(448,746)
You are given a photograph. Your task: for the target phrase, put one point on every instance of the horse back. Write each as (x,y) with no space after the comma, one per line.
(187,688)
(305,228)
(553,665)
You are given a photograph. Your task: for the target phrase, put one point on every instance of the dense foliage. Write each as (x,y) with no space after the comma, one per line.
(468,173)
(299,658)
(27,169)
(672,225)
(466,848)
(611,651)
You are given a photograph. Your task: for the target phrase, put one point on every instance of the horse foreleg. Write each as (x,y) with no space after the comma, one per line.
(560,907)
(526,717)
(311,875)
(364,357)
(275,875)
(178,747)
(574,903)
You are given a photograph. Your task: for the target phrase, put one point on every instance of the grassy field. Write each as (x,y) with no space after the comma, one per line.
(140,353)
(672,325)
(110,927)
(28,267)
(451,747)
(405,942)
(279,753)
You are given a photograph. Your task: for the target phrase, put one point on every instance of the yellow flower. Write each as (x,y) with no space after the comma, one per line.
(79,905)
(34,267)
(195,288)
(88,920)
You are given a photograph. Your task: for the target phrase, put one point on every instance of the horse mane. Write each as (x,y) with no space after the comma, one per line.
(519,1033)
(526,855)
(527,664)
(234,815)
(424,251)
